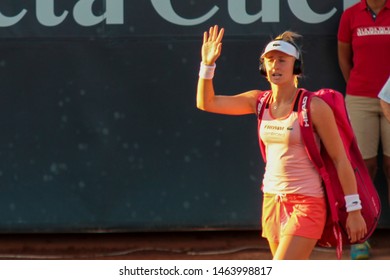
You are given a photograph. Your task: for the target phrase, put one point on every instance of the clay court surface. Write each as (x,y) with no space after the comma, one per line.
(195,245)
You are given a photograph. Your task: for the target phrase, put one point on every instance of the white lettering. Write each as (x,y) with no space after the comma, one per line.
(269,13)
(9,21)
(45,13)
(349,3)
(302,10)
(237,10)
(370,31)
(164,9)
(304,112)
(82,13)
(114,13)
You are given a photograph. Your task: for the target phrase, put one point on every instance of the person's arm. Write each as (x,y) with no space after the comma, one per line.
(344,51)
(384,96)
(326,127)
(206,99)
(386,109)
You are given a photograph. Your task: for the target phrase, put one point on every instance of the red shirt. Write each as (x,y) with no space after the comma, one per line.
(370,41)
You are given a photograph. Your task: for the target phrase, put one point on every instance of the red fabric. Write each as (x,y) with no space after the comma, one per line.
(335,233)
(370,42)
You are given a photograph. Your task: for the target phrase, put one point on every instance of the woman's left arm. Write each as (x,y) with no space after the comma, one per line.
(325,125)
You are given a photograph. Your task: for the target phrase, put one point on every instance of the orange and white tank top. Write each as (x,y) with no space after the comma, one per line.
(288,169)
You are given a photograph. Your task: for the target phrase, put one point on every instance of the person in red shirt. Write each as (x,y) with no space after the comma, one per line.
(364,55)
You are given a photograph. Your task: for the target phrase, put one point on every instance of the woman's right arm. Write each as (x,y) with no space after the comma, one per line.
(344,51)
(206,99)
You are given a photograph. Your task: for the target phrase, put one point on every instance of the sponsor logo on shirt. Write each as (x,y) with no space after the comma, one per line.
(369,31)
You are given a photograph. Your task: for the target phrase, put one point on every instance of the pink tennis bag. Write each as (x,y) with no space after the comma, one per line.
(335,233)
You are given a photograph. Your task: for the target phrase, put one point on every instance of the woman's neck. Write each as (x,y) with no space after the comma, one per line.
(283,94)
(376,5)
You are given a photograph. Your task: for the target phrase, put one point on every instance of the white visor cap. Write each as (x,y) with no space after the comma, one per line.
(282,46)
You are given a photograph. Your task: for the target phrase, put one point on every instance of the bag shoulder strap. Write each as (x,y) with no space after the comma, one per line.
(307,131)
(262,101)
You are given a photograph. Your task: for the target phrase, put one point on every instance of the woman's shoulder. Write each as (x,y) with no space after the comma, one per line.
(319,107)
(260,92)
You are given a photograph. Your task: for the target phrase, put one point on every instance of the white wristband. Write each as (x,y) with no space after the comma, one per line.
(206,71)
(352,202)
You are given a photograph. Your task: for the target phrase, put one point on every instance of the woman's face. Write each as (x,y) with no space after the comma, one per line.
(279,67)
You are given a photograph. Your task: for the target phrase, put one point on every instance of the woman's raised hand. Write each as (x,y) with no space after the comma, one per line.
(212,45)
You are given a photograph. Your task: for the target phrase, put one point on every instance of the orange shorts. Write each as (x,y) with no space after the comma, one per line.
(292,214)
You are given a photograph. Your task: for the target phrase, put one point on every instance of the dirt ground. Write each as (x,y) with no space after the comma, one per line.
(195,245)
